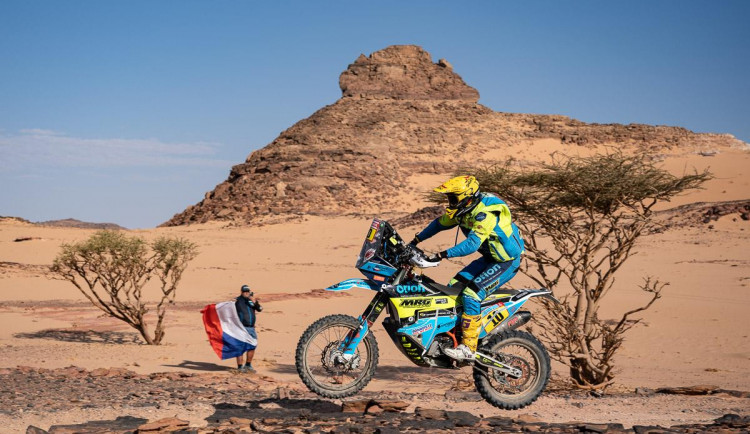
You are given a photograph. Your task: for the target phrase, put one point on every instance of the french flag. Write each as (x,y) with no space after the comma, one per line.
(226,333)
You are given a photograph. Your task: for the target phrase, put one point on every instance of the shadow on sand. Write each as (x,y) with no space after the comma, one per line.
(389,372)
(201,366)
(84,336)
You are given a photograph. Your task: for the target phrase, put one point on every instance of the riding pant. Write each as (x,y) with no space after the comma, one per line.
(482,277)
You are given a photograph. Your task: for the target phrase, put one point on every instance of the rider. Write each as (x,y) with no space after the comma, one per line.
(486,222)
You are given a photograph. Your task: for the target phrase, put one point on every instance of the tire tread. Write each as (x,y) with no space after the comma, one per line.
(300,359)
(483,385)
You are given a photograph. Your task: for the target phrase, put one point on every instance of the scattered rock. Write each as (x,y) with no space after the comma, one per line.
(122,424)
(463,418)
(391,405)
(690,390)
(99,372)
(373,406)
(462,396)
(733,420)
(166,424)
(239,421)
(21,239)
(445,64)
(526,418)
(430,413)
(708,153)
(358,406)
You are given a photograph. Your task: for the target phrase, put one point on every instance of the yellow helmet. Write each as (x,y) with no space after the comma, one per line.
(463,195)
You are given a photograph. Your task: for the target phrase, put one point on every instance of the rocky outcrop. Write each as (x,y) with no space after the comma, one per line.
(404,72)
(399,114)
(703,213)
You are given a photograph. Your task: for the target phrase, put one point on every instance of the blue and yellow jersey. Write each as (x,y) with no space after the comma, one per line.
(488,229)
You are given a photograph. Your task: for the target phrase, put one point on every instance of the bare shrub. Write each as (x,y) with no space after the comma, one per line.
(111,270)
(591,211)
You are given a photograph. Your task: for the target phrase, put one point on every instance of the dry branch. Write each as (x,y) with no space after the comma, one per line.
(592,212)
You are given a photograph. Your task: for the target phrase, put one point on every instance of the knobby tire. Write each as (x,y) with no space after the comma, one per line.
(368,344)
(513,401)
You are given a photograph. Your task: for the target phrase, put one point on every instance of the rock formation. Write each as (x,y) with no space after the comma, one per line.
(399,114)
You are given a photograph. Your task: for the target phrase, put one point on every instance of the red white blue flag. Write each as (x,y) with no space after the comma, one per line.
(226,333)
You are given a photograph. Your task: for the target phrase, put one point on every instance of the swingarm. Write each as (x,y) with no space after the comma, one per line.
(492,363)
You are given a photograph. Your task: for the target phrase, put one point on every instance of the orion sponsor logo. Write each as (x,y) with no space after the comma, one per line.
(410,289)
(421,329)
(486,274)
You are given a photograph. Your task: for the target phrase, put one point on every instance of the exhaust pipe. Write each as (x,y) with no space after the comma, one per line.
(517,320)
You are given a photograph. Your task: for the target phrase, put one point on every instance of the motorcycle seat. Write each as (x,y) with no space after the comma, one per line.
(447,290)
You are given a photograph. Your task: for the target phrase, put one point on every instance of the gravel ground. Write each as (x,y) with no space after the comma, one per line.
(117,400)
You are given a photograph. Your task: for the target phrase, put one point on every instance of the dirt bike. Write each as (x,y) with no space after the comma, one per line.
(337,355)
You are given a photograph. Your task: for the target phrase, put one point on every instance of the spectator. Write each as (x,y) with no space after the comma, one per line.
(246,307)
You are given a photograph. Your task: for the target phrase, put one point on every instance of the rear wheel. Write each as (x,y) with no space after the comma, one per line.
(520,350)
(323,367)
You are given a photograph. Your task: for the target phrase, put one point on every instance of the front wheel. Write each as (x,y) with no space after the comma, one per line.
(523,351)
(323,367)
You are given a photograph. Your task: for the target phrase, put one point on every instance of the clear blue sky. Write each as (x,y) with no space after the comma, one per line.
(130,111)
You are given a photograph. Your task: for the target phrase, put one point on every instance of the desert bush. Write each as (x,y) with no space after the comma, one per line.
(112,270)
(581,218)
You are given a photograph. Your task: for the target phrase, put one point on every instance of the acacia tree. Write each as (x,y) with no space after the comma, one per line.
(111,270)
(581,218)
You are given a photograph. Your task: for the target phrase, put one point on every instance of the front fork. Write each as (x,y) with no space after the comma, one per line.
(349,345)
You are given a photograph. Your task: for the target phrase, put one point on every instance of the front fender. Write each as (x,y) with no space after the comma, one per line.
(353,283)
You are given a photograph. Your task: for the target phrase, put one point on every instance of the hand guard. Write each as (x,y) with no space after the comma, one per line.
(419,259)
(437,257)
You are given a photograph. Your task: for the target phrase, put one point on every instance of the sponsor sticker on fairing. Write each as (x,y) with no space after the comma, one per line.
(369,254)
(421,329)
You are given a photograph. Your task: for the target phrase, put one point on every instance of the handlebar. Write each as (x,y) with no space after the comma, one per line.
(418,258)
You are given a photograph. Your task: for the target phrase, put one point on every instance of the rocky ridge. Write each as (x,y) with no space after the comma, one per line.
(400,114)
(244,403)
(63,223)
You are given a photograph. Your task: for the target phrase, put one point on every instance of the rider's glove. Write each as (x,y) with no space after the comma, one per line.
(437,257)
(415,241)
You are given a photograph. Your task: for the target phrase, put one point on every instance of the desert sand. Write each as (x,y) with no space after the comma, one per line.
(697,334)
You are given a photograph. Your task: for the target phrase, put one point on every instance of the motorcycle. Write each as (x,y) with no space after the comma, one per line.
(337,355)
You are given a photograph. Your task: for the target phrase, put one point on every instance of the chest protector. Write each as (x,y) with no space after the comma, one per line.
(504,242)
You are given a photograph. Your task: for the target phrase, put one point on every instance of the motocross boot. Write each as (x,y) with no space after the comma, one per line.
(470,336)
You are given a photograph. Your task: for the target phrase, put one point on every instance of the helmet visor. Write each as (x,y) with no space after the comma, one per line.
(452,200)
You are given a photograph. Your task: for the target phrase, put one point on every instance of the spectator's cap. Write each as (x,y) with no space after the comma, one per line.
(245,288)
